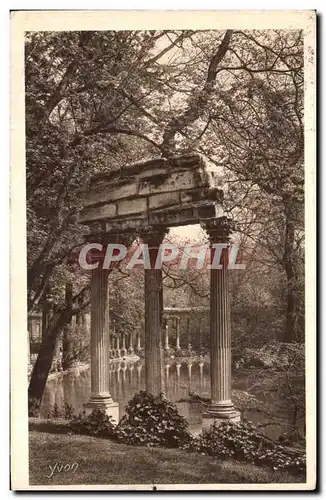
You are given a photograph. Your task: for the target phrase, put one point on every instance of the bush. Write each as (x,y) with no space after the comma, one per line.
(152,421)
(243,442)
(98,423)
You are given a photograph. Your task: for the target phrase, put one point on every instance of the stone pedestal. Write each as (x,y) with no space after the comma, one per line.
(209,420)
(154,379)
(221,407)
(100,395)
(110,408)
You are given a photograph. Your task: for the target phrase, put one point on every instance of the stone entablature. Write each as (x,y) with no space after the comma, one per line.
(170,312)
(159,192)
(144,200)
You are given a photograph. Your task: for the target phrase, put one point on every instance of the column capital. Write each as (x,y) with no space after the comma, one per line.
(107,238)
(219,229)
(153,236)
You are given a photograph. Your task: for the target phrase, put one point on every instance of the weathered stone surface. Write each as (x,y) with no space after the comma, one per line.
(150,167)
(177,215)
(133,206)
(168,192)
(103,193)
(106,211)
(165,183)
(163,200)
(221,406)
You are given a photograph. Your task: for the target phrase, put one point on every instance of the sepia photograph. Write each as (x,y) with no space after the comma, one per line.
(163,198)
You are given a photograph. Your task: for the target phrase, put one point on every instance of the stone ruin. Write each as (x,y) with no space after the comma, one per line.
(144,200)
(161,192)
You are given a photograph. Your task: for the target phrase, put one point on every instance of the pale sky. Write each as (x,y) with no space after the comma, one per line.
(193,231)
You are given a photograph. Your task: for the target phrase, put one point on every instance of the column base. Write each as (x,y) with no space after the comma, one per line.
(220,413)
(107,404)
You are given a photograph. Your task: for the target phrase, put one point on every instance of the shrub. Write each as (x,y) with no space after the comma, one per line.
(152,421)
(243,442)
(98,423)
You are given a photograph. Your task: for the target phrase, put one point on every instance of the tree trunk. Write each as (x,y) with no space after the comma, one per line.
(45,317)
(67,341)
(45,356)
(291,327)
(44,360)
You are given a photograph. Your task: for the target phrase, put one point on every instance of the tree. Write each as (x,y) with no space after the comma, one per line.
(99,100)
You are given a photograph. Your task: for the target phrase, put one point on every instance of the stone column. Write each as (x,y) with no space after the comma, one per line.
(131,351)
(138,341)
(153,316)
(189,373)
(177,332)
(111,347)
(118,368)
(100,394)
(123,348)
(166,346)
(189,335)
(201,366)
(117,350)
(178,366)
(221,407)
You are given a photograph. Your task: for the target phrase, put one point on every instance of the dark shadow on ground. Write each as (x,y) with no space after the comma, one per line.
(50,426)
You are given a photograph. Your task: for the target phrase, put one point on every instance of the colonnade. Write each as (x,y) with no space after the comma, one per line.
(221,407)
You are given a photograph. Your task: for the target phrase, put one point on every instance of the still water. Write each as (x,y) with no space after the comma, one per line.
(127,378)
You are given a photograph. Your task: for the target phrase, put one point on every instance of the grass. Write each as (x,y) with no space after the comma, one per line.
(105,462)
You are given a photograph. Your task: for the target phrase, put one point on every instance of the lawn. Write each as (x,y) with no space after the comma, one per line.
(105,462)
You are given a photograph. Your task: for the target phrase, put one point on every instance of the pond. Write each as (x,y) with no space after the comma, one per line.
(127,378)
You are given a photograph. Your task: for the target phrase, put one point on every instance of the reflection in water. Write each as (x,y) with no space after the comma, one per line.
(125,380)
(128,378)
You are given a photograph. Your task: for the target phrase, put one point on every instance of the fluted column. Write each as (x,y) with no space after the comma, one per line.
(100,394)
(154,377)
(221,407)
